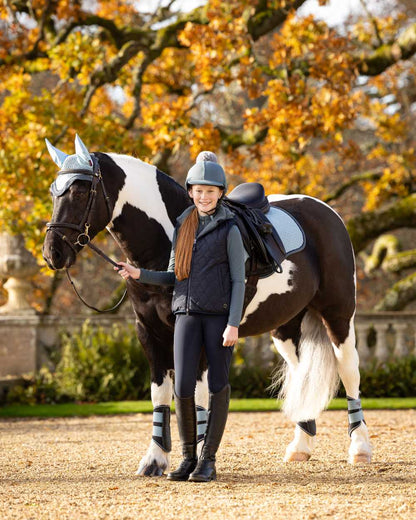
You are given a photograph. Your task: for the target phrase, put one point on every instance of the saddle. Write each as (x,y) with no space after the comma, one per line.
(264,246)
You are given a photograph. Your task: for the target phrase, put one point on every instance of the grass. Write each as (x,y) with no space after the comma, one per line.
(236,405)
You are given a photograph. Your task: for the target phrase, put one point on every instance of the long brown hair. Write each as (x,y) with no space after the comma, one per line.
(184,244)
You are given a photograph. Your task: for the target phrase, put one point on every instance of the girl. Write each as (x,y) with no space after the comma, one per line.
(207,269)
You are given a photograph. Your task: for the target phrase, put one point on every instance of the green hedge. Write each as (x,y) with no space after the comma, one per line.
(394,379)
(96,365)
(93,365)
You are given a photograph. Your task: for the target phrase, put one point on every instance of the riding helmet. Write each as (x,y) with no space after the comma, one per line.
(208,173)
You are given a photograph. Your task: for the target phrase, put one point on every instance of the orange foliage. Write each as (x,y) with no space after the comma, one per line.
(277,110)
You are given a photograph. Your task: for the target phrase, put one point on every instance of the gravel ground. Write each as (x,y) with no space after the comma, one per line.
(77,468)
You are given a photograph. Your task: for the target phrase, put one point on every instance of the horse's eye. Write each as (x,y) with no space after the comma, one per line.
(79,190)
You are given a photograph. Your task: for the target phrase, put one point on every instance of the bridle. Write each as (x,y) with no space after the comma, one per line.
(83,227)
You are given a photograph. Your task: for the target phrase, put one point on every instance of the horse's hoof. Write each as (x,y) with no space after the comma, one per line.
(360,458)
(151,470)
(297,456)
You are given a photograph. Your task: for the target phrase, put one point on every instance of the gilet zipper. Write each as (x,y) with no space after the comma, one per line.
(189,277)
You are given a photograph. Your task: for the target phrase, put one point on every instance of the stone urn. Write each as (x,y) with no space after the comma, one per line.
(18,265)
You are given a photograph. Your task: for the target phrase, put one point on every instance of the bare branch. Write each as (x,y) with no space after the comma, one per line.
(247,138)
(354,179)
(41,36)
(108,72)
(265,19)
(373,21)
(137,91)
(388,54)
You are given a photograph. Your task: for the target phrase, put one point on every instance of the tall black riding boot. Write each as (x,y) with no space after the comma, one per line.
(186,418)
(217,418)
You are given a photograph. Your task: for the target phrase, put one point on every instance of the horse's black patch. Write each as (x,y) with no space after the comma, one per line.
(114,176)
(173,195)
(144,237)
(291,329)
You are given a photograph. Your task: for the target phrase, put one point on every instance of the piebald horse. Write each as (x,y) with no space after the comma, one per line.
(309,307)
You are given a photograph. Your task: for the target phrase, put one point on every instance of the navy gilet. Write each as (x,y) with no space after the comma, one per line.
(207,290)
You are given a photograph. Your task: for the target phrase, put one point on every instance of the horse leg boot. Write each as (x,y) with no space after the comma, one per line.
(217,417)
(186,418)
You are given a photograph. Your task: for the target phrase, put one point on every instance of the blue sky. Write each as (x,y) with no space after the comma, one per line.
(334,14)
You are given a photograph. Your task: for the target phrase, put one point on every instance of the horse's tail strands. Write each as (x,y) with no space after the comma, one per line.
(308,387)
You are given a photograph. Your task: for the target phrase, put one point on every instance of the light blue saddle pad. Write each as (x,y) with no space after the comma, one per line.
(288,229)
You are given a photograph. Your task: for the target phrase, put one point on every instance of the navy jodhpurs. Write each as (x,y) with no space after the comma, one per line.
(192,333)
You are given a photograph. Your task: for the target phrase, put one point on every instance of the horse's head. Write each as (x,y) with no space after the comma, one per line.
(81,207)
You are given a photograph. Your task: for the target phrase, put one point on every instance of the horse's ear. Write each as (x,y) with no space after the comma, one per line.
(81,150)
(58,157)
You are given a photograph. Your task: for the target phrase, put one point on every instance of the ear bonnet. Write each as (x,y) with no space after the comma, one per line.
(79,166)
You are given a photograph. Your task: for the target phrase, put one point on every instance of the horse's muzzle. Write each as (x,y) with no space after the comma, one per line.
(57,257)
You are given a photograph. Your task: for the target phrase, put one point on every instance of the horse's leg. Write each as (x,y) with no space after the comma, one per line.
(160,357)
(201,402)
(286,340)
(157,459)
(342,335)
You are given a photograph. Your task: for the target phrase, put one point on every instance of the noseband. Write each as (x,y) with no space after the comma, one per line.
(84,238)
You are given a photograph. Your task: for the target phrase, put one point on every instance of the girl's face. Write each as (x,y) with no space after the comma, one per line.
(205,197)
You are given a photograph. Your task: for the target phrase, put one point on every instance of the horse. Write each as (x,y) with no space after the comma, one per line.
(308,307)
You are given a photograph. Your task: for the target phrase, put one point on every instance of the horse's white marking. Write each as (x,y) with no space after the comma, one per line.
(360,449)
(141,190)
(277,283)
(276,197)
(300,449)
(162,395)
(347,363)
(201,391)
(154,454)
(201,399)
(287,349)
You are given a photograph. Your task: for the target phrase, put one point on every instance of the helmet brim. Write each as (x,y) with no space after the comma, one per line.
(205,183)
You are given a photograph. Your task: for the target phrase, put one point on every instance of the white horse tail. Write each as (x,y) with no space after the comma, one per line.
(308,387)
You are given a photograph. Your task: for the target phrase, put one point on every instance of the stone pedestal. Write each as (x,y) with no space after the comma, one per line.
(18,265)
(18,320)
(381,351)
(362,347)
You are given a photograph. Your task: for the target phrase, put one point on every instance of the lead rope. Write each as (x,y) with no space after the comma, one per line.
(92,306)
(107,259)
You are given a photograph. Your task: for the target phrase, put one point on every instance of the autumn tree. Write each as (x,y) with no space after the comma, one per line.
(285,99)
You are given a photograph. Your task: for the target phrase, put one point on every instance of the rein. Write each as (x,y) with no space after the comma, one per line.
(83,238)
